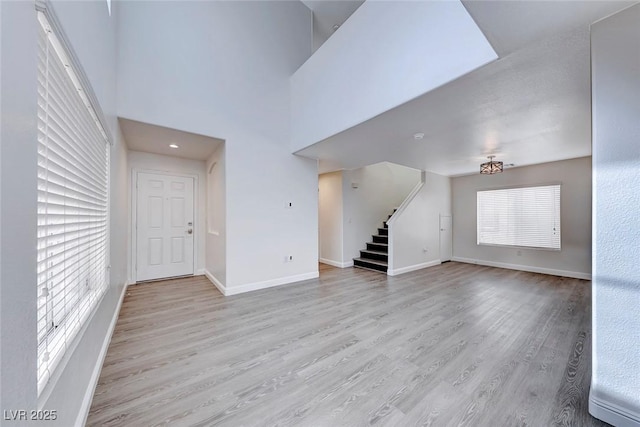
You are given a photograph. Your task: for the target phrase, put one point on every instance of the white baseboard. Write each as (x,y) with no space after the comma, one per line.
(414,267)
(218,284)
(227,291)
(199,272)
(336,263)
(81,420)
(531,269)
(612,414)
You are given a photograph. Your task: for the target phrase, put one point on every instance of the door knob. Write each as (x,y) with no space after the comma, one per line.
(190,231)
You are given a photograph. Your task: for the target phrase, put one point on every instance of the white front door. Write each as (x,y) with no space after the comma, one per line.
(164,222)
(446,239)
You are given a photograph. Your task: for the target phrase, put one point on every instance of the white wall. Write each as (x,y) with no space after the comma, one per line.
(239,92)
(139,161)
(120,240)
(615,383)
(243,81)
(414,233)
(216,241)
(91,33)
(330,218)
(574,260)
(385,54)
(18,183)
(381,188)
(1,136)
(318,38)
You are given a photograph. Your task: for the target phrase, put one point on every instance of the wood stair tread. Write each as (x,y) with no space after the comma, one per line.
(369,251)
(372,261)
(369,269)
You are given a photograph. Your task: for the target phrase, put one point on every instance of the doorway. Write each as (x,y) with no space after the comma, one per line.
(164,226)
(446,239)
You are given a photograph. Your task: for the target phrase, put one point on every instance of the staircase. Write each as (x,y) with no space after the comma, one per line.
(376,256)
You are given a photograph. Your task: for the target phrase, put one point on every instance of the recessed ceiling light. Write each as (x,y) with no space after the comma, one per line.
(418,135)
(174,146)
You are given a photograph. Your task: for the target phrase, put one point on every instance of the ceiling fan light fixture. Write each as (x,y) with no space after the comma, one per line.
(491,167)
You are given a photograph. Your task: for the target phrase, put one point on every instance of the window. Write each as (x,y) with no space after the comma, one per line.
(527,217)
(72,240)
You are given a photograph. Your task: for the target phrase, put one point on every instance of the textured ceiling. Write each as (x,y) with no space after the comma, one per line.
(532,105)
(512,24)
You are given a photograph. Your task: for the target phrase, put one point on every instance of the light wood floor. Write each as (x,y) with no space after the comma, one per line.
(452,345)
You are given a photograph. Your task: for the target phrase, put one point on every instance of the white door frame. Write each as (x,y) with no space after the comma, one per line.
(134,215)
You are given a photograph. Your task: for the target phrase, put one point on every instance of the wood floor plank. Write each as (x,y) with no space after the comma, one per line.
(455,344)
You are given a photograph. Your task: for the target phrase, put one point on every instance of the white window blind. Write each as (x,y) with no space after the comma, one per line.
(72,242)
(527,217)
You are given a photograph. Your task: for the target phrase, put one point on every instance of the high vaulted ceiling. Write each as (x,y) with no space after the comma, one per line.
(532,105)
